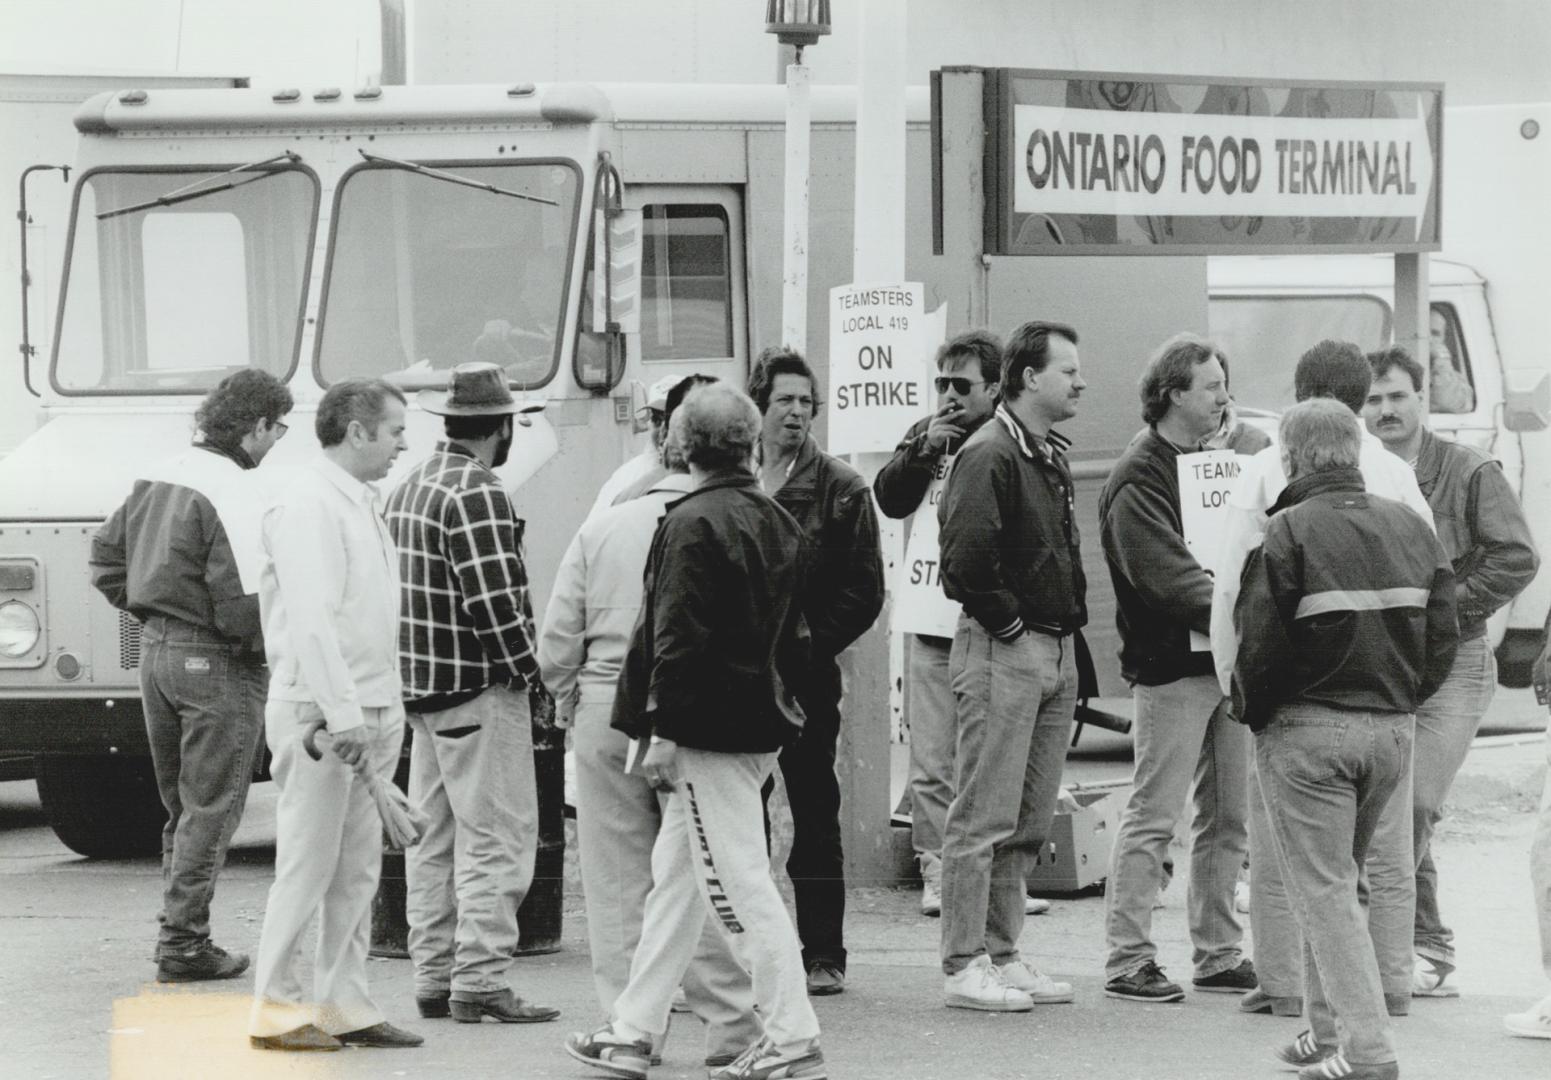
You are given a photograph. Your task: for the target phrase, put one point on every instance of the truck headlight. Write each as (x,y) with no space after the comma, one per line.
(19,629)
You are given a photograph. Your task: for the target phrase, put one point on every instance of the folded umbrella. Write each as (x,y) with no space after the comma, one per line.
(402,824)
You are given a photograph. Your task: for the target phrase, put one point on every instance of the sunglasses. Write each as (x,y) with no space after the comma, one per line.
(961,386)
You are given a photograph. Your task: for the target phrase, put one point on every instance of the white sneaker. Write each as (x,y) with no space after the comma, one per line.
(931,897)
(1534,1024)
(1035,905)
(1041,988)
(981,986)
(1430,979)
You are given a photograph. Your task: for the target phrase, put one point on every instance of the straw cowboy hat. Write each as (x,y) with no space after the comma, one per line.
(476,389)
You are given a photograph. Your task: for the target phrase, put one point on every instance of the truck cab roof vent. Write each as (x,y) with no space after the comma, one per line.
(369,93)
(328,93)
(133,97)
(522,89)
(286,96)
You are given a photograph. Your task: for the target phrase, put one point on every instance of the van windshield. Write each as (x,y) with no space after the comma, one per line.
(428,270)
(1263,337)
(168,297)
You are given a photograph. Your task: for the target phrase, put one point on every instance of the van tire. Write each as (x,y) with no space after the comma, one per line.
(102,806)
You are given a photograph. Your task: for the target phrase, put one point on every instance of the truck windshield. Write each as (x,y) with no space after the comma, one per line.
(1263,337)
(168,299)
(427,272)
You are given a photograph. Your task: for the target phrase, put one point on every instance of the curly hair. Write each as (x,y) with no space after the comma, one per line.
(716,427)
(236,405)
(779,360)
(1396,356)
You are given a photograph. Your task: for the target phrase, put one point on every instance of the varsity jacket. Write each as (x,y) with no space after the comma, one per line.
(1011,553)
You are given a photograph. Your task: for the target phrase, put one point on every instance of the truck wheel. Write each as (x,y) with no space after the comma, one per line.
(100,806)
(1516,656)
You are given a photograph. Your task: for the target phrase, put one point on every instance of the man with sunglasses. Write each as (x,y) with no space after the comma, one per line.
(181,555)
(910,485)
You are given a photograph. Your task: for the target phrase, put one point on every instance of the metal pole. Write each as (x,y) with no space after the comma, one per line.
(794,263)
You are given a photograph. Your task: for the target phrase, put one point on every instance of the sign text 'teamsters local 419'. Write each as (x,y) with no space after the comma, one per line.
(881,342)
(1130,164)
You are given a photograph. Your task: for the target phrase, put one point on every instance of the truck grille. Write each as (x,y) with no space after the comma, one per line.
(128,641)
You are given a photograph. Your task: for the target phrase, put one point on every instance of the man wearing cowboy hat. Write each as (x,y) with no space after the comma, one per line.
(467,656)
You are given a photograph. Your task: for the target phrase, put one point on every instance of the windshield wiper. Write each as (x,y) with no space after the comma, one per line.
(192,191)
(454,178)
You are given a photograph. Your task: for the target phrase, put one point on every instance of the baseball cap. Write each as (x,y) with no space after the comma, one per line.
(657,395)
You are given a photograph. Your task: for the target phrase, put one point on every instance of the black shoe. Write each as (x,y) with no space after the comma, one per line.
(306,1037)
(469,1007)
(825,978)
(1148,984)
(203,962)
(1238,980)
(434,1006)
(383,1035)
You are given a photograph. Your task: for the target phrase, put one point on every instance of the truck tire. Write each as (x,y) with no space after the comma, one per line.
(102,806)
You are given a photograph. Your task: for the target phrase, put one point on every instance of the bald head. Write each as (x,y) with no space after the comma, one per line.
(717,428)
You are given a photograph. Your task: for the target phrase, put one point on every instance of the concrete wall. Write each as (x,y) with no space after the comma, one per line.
(1489,51)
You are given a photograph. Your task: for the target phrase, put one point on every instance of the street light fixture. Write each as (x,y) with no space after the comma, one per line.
(797,23)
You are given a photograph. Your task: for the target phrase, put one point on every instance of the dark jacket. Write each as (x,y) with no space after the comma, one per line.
(1481,527)
(901,484)
(720,636)
(1347,603)
(165,550)
(1010,549)
(1161,591)
(844,591)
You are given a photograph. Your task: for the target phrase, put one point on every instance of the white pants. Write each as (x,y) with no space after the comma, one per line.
(710,852)
(617,819)
(328,853)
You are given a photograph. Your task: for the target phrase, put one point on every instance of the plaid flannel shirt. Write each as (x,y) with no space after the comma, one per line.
(466,621)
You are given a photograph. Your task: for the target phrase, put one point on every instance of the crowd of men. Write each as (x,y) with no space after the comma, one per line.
(1308,699)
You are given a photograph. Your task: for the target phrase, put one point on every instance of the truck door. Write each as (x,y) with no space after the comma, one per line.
(694,300)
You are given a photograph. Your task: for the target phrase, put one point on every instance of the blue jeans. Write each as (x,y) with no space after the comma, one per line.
(1184,741)
(1446,723)
(204,716)
(1327,775)
(1014,703)
(931,747)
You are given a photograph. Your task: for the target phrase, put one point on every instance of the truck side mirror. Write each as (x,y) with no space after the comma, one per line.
(1527,400)
(613,284)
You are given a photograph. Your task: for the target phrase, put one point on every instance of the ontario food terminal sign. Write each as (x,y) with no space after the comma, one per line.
(1129,164)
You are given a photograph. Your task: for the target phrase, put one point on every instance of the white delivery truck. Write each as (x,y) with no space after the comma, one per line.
(1490,301)
(396,231)
(400,230)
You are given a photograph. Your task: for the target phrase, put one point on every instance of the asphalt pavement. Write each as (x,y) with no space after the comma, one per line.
(77,1000)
